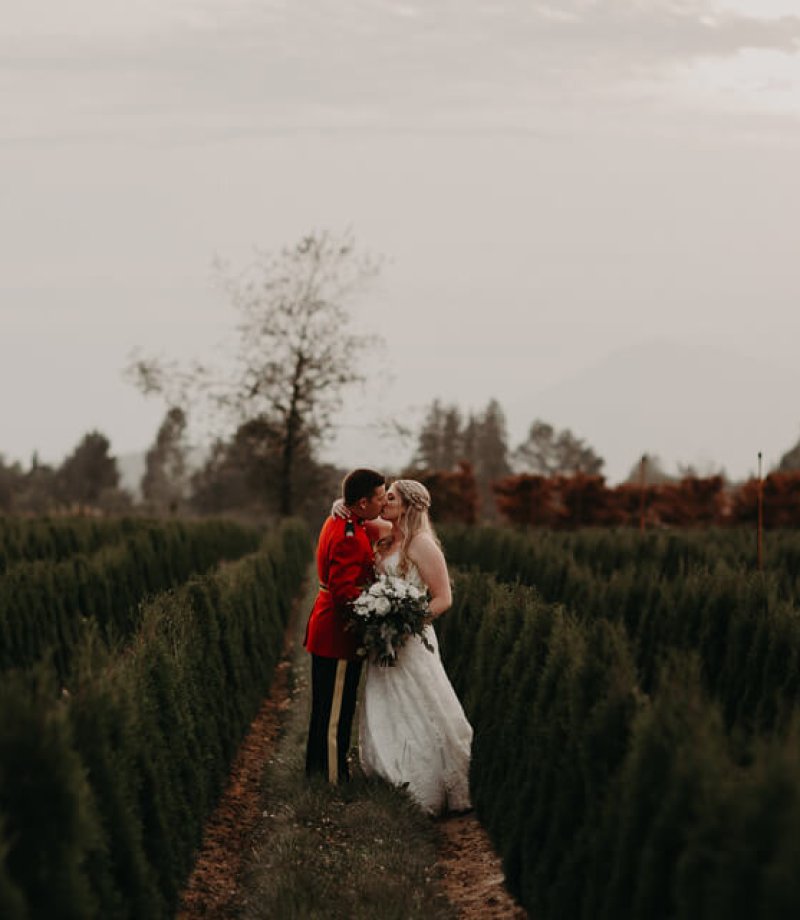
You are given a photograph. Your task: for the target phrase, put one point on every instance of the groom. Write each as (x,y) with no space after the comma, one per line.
(344,565)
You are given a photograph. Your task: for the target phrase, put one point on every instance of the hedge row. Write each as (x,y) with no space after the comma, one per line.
(45,606)
(581,499)
(27,539)
(603,801)
(104,792)
(668,596)
(542,557)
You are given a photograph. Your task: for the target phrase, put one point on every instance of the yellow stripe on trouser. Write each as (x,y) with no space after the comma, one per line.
(333,722)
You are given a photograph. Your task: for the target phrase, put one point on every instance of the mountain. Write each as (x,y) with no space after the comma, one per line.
(688,404)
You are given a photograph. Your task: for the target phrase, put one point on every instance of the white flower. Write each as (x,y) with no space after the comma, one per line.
(376,589)
(414,593)
(382,606)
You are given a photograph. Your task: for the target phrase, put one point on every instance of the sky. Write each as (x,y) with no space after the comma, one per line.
(587,209)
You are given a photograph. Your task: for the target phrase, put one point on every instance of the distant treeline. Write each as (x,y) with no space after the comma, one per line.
(584,500)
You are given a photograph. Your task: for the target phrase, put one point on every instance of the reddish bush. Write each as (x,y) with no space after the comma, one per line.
(693,500)
(781,501)
(526,499)
(628,505)
(454,493)
(585,500)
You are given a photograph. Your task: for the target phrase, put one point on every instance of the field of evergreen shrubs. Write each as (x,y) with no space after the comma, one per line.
(133,656)
(635,701)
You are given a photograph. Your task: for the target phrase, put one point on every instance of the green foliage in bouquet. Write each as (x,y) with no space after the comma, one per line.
(386,615)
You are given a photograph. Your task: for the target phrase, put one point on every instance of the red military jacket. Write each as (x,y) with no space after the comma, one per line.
(345,565)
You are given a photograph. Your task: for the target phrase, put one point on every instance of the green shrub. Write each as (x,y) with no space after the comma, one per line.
(105,791)
(45,605)
(602,800)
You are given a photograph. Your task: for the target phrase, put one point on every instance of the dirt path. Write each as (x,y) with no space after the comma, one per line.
(212,888)
(469,872)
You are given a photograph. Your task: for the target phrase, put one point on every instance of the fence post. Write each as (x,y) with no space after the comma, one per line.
(642,487)
(760,532)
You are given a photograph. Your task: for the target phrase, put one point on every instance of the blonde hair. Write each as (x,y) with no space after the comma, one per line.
(417,502)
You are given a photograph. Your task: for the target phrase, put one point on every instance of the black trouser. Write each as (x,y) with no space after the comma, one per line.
(334,685)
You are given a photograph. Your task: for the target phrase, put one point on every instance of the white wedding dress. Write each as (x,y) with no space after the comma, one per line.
(412,728)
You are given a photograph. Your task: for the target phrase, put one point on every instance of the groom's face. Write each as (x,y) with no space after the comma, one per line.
(370,508)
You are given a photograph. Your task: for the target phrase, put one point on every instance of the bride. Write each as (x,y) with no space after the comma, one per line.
(412,730)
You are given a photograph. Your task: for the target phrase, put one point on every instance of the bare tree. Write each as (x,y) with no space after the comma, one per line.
(296,350)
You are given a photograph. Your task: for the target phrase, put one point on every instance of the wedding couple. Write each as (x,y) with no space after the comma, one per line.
(412,730)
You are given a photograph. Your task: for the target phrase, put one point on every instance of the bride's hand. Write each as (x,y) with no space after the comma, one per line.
(340,510)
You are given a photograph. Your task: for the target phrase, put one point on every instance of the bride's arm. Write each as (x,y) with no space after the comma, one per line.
(429,559)
(377,529)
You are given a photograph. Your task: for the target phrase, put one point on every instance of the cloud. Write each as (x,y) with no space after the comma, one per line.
(233,65)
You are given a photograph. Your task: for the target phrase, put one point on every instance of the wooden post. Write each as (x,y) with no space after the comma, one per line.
(760,531)
(642,487)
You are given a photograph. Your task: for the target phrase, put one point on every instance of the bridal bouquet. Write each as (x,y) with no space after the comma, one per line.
(386,614)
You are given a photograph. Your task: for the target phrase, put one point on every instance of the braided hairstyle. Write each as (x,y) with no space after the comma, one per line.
(416,503)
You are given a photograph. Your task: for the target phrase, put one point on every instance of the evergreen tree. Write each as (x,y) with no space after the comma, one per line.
(429,454)
(88,471)
(445,441)
(491,443)
(452,451)
(491,455)
(164,480)
(469,439)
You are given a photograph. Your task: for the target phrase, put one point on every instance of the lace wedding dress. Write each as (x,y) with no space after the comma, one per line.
(412,729)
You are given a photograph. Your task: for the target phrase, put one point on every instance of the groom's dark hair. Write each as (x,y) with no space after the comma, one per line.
(360,484)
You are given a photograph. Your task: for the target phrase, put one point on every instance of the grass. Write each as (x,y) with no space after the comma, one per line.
(360,851)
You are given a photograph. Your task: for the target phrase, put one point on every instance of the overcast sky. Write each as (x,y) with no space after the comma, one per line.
(559,189)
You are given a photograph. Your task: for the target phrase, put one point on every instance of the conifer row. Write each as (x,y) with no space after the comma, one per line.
(605,801)
(27,539)
(104,791)
(540,556)
(670,593)
(46,605)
